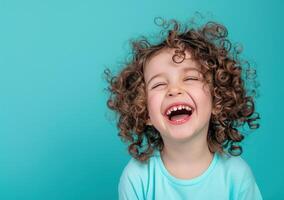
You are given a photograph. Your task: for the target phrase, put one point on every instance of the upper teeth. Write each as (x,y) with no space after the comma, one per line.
(175,108)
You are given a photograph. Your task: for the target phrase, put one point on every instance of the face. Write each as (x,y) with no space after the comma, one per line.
(178,101)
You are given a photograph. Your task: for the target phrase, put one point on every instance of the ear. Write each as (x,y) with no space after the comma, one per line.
(215,111)
(149,123)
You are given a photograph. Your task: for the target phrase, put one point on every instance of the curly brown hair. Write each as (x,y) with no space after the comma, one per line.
(224,72)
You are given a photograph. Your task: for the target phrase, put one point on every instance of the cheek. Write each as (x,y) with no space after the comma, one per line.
(153,104)
(206,101)
(203,99)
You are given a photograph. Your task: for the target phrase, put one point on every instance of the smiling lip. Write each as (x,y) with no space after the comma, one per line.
(179,121)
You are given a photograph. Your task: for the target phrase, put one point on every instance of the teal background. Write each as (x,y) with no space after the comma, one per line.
(57,140)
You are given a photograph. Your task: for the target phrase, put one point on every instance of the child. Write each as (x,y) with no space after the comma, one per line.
(180,103)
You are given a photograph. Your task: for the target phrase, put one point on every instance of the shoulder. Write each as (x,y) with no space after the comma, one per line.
(236,170)
(240,177)
(235,165)
(134,169)
(134,179)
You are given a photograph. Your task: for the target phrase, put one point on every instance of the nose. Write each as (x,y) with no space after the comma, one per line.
(174,92)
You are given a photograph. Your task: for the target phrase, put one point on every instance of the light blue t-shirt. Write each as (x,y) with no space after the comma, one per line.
(226,178)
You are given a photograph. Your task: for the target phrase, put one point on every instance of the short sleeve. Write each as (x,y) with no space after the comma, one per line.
(126,189)
(130,186)
(250,191)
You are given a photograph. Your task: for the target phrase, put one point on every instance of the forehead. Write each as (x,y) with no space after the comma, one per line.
(162,62)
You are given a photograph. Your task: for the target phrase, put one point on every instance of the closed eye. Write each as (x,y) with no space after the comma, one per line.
(191,78)
(158,85)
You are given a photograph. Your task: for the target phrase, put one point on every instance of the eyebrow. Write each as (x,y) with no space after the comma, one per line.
(157,75)
(160,74)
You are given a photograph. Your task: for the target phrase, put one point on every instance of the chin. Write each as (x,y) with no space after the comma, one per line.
(181,136)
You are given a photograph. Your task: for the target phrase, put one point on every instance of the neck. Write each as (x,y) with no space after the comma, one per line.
(186,160)
(183,154)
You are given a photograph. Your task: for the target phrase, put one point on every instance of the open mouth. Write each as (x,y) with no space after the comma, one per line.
(179,113)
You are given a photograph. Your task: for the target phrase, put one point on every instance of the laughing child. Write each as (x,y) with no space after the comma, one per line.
(180,103)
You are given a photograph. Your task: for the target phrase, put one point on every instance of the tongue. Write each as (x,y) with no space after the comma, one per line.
(178,117)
